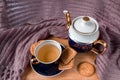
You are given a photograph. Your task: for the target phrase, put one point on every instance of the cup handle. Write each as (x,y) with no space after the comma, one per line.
(34,61)
(101,42)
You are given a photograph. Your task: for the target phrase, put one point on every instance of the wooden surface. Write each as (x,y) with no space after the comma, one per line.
(71,74)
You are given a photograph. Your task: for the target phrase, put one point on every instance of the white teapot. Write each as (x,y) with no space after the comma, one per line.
(83,34)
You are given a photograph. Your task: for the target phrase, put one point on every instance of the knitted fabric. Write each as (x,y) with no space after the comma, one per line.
(23,22)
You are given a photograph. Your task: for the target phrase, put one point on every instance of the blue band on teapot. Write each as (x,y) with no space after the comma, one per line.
(80,47)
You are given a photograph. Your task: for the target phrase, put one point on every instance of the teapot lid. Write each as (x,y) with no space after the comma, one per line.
(85,25)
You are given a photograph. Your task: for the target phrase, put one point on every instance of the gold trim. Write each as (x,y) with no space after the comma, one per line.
(103,43)
(35,61)
(85,18)
(68,19)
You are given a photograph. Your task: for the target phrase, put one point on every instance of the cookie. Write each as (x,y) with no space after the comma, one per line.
(63,66)
(86,69)
(67,55)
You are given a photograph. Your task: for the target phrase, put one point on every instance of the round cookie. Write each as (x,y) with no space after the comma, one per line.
(86,69)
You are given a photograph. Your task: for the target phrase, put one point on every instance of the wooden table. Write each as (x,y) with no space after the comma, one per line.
(71,74)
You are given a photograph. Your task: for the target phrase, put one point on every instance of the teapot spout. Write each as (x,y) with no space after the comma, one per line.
(68,18)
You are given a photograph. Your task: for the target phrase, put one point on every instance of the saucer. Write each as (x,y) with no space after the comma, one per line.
(47,69)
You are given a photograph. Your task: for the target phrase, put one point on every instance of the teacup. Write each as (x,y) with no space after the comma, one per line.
(47,52)
(83,34)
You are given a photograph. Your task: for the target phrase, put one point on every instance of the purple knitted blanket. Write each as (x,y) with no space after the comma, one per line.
(23,22)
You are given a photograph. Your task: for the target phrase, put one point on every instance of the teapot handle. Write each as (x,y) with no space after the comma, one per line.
(104,45)
(68,18)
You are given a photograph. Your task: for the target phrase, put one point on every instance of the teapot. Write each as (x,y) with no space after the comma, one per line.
(83,32)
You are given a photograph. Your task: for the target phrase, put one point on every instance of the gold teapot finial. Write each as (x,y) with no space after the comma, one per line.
(68,18)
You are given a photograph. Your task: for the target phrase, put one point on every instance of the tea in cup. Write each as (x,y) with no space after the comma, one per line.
(47,52)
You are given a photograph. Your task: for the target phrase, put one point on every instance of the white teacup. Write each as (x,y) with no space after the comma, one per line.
(47,52)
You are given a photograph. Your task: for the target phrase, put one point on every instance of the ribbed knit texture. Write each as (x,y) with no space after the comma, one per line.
(23,22)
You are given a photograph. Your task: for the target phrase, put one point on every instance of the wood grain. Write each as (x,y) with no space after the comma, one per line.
(71,74)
